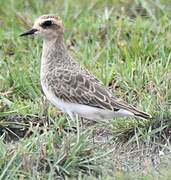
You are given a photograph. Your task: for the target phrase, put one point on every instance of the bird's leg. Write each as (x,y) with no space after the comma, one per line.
(71,115)
(78,128)
(45,110)
(74,117)
(93,134)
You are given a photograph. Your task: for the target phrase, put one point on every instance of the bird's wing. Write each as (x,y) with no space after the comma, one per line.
(77,87)
(81,88)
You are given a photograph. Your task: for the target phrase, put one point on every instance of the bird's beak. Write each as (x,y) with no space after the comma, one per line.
(29,32)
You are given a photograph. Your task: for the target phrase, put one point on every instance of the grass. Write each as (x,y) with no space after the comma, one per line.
(127,45)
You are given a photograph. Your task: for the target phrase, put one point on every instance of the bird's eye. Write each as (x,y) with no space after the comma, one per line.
(47,24)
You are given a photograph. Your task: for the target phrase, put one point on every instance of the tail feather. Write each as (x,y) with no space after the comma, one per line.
(137,113)
(142,114)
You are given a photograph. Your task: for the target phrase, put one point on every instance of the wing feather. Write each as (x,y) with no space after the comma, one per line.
(80,88)
(83,88)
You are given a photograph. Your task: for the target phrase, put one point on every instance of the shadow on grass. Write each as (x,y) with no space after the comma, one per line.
(15,127)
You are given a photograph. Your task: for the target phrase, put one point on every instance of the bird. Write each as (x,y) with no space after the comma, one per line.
(70,87)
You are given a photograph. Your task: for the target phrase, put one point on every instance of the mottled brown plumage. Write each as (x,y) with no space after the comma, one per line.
(70,87)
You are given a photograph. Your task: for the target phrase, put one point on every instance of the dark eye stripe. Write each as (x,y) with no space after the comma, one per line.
(47,24)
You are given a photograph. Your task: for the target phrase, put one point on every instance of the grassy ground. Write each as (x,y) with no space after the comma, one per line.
(126,44)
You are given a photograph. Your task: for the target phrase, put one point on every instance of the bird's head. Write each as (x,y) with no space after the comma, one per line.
(47,26)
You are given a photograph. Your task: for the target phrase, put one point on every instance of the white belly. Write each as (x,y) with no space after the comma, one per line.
(85,111)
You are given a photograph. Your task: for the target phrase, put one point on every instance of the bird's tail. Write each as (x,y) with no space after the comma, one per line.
(137,113)
(141,114)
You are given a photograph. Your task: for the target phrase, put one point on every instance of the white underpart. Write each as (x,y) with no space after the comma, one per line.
(85,111)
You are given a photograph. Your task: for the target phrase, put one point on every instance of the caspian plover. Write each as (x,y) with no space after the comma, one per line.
(70,87)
